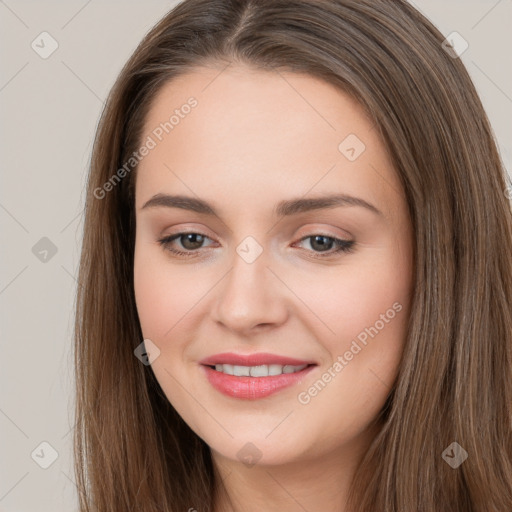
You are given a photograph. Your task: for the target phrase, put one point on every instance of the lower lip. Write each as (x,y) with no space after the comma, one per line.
(253,388)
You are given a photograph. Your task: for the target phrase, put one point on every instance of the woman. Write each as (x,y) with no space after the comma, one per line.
(295,278)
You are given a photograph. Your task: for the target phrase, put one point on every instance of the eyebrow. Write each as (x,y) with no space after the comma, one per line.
(284,208)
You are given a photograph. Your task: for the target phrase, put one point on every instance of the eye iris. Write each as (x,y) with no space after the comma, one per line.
(194,238)
(322,245)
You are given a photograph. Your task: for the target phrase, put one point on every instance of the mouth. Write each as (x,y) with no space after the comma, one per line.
(254,376)
(264,370)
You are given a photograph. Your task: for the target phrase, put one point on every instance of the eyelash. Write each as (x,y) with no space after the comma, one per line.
(344,246)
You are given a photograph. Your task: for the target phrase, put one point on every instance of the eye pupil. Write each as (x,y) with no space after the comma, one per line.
(322,246)
(195,238)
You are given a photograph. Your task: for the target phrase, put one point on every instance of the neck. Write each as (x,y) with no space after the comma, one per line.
(319,482)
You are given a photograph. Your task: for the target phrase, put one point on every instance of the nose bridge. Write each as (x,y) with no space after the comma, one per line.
(250,294)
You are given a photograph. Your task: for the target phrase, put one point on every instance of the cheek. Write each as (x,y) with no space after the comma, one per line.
(165,299)
(361,318)
(148,296)
(162,296)
(351,389)
(352,299)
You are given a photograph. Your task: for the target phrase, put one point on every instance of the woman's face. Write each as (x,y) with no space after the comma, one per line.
(299,253)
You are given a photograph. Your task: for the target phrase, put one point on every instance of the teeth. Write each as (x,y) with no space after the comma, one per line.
(259,371)
(241,371)
(275,369)
(263,370)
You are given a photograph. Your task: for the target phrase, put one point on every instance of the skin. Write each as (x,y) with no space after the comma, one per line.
(256,138)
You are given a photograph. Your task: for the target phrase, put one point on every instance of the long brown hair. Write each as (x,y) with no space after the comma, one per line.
(132,450)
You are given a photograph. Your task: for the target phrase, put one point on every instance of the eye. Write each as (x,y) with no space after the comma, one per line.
(190,241)
(324,243)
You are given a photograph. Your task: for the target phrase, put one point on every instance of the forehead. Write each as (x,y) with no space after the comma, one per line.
(260,134)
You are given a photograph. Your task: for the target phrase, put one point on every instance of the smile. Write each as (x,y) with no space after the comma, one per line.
(254,376)
(263,370)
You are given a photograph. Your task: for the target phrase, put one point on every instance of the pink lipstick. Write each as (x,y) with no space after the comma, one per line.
(254,376)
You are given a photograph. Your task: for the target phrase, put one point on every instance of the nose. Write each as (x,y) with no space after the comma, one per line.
(251,297)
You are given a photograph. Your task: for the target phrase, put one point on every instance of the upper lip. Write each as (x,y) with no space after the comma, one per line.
(255,359)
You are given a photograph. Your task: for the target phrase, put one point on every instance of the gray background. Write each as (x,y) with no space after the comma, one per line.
(49,110)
